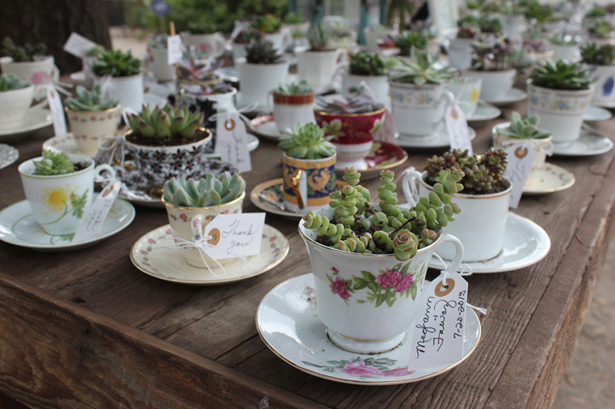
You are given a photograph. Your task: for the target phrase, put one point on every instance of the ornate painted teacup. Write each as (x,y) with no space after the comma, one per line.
(15,105)
(603,77)
(308,182)
(89,127)
(290,111)
(40,72)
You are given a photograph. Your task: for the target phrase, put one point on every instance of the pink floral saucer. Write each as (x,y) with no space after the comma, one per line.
(287,322)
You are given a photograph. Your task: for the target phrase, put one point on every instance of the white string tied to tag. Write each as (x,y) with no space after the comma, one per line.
(536,145)
(130,195)
(248,108)
(466,270)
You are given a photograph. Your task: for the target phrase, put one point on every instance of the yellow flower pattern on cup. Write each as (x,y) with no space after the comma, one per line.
(56,198)
(474,95)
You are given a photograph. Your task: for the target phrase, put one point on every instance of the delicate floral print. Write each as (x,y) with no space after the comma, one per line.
(56,198)
(389,279)
(339,288)
(40,77)
(368,368)
(333,128)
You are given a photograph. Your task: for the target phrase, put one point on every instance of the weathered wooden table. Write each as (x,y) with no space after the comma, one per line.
(87,329)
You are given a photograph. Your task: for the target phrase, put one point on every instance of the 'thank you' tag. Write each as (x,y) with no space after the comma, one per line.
(457,127)
(520,159)
(235,235)
(231,137)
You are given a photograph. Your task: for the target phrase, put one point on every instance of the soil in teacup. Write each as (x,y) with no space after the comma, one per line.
(80,166)
(174,140)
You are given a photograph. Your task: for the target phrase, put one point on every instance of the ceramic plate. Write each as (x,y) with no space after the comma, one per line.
(605,105)
(525,243)
(513,95)
(384,155)
(265,127)
(287,322)
(169,265)
(36,119)
(8,155)
(548,179)
(594,113)
(589,144)
(484,112)
(19,227)
(439,139)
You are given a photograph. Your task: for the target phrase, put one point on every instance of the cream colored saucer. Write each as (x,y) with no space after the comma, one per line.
(548,179)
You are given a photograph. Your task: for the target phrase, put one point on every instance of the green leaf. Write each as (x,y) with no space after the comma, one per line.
(359,283)
(390,301)
(379,300)
(369,277)
(405,268)
(361,301)
(413,292)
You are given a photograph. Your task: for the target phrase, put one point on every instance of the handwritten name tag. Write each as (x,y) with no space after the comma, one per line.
(457,128)
(174,49)
(231,135)
(520,160)
(78,45)
(235,235)
(57,112)
(437,334)
(95,216)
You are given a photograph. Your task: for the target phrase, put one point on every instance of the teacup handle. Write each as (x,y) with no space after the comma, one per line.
(197,228)
(458,257)
(298,181)
(270,101)
(100,169)
(449,97)
(409,184)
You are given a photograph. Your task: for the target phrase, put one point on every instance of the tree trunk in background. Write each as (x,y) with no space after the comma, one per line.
(51,22)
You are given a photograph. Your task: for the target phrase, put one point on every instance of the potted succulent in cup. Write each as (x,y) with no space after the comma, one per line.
(460,48)
(418,96)
(482,179)
(526,131)
(192,204)
(29,63)
(369,68)
(370,258)
(159,57)
(601,32)
(308,165)
(296,23)
(319,64)
(408,40)
(204,36)
(594,14)
(59,189)
(91,117)
(243,38)
(15,100)
(166,142)
(492,65)
(353,122)
(293,105)
(193,70)
(564,46)
(121,72)
(262,71)
(599,60)
(559,93)
(490,25)
(271,29)
(513,20)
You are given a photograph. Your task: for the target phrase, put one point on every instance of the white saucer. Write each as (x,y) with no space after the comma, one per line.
(169,265)
(265,127)
(512,96)
(594,113)
(525,243)
(484,112)
(605,105)
(589,144)
(439,139)
(287,322)
(8,155)
(548,179)
(36,119)
(19,227)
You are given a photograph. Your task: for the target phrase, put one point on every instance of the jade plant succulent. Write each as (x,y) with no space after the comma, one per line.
(421,70)
(523,129)
(361,227)
(354,104)
(307,142)
(294,88)
(561,75)
(318,35)
(408,40)
(482,175)
(27,53)
(90,100)
(9,82)
(116,64)
(206,192)
(489,56)
(262,52)
(163,123)
(266,24)
(598,55)
(365,63)
(54,163)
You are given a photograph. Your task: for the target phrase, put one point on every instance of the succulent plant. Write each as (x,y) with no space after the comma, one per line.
(467,32)
(491,6)
(365,63)
(491,25)
(601,29)
(167,122)
(564,39)
(355,104)
(97,50)
(247,35)
(597,11)
(54,163)
(482,175)
(206,192)
(116,64)
(360,227)
(294,18)
(158,41)
(262,52)
(194,69)
(9,82)
(318,35)
(523,129)
(294,88)
(489,56)
(561,76)
(539,12)
(90,100)
(468,20)
(307,142)
(266,24)
(473,4)
(27,53)
(598,55)
(420,70)
(408,40)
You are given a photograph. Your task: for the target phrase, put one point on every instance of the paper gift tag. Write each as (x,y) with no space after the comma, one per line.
(78,45)
(457,128)
(438,329)
(386,132)
(231,137)
(234,235)
(520,160)
(57,112)
(174,49)
(95,216)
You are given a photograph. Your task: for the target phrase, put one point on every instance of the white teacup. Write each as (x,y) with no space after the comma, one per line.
(128,90)
(15,106)
(496,84)
(319,67)
(280,40)
(160,64)
(40,72)
(466,91)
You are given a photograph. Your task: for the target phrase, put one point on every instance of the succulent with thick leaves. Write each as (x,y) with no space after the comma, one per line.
(360,227)
(267,24)
(364,63)
(539,12)
(523,129)
(490,56)
(491,25)
(307,142)
(318,35)
(408,40)
(97,50)
(116,64)
(597,12)
(420,70)
(561,76)
(262,52)
(90,100)
(9,82)
(598,55)
(156,122)
(354,104)
(54,163)
(602,29)
(206,192)
(27,53)
(294,88)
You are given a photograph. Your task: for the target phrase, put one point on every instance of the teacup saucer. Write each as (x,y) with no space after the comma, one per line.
(513,95)
(169,265)
(287,322)
(439,139)
(484,112)
(609,105)
(525,244)
(589,144)
(37,119)
(265,127)
(548,179)
(594,113)
(19,227)
(8,155)
(384,155)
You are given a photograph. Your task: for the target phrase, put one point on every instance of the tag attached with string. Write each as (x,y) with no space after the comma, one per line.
(57,111)
(234,235)
(520,160)
(174,49)
(231,137)
(95,216)
(78,45)
(457,127)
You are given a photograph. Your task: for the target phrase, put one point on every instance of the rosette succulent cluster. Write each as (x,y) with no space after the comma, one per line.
(307,142)
(9,82)
(561,75)
(355,104)
(266,24)
(206,192)
(156,122)
(365,63)
(54,163)
(262,52)
(408,40)
(523,129)
(294,88)
(90,100)
(360,227)
(598,55)
(482,175)
(421,70)
(116,64)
